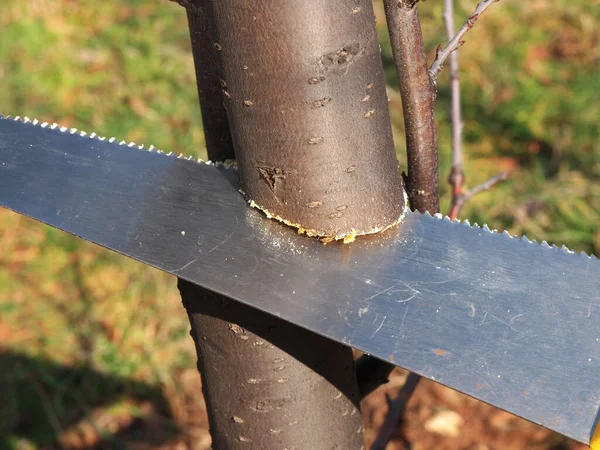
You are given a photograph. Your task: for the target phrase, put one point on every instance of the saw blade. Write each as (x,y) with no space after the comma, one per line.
(505,320)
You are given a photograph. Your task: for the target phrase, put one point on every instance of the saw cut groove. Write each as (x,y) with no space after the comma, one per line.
(346,238)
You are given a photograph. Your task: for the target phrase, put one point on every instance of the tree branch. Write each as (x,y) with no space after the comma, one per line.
(418,103)
(457,175)
(459,201)
(455,42)
(395,412)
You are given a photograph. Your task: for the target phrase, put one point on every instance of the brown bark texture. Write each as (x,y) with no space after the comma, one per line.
(269,384)
(209,72)
(307,107)
(418,103)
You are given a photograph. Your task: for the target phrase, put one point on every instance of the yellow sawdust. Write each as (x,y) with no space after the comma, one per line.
(346,238)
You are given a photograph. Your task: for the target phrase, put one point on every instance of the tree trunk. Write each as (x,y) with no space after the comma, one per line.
(307,110)
(209,73)
(269,384)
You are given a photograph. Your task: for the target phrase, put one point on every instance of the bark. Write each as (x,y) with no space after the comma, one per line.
(418,103)
(308,111)
(209,72)
(291,74)
(269,384)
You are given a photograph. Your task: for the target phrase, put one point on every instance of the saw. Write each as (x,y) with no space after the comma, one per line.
(503,319)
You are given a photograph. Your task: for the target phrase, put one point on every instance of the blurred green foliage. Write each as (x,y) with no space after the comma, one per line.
(531,103)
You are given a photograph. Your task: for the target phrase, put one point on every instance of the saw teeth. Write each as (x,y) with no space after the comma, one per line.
(232,164)
(584,254)
(544,244)
(35,122)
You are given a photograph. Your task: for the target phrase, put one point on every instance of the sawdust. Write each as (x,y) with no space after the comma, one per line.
(345,237)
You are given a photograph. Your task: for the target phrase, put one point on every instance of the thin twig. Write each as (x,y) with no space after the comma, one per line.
(456,41)
(459,201)
(457,174)
(395,413)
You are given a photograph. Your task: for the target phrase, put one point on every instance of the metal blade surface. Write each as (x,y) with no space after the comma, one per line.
(505,320)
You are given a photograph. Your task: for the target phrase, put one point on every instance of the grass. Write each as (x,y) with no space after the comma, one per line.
(531,105)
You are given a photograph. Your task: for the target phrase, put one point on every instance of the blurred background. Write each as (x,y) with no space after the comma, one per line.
(94,348)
